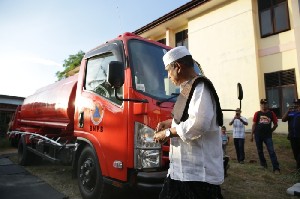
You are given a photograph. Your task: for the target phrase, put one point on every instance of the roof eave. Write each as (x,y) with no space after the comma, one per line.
(178,11)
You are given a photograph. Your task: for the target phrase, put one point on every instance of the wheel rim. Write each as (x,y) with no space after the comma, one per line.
(88,174)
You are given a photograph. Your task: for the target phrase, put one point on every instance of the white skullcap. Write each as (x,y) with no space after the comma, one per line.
(175,54)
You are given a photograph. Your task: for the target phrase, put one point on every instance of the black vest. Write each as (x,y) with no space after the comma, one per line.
(180,110)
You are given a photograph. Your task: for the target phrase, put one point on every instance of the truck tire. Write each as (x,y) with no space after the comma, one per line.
(25,157)
(90,179)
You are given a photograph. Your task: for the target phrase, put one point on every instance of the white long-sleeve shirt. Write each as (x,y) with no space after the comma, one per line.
(196,155)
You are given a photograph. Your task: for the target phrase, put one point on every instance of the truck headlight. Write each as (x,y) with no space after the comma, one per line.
(147,152)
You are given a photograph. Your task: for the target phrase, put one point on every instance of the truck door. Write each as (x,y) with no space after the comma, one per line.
(105,119)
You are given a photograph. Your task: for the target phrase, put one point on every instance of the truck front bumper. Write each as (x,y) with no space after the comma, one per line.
(151,180)
(141,180)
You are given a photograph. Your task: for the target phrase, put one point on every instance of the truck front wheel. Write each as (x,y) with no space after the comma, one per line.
(90,178)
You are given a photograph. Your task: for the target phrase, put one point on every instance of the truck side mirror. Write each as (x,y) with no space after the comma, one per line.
(239,95)
(240,91)
(115,76)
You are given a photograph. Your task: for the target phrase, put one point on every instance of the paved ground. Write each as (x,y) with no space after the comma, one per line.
(17,183)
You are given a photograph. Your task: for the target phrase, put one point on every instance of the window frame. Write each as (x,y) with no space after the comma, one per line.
(272,8)
(184,34)
(280,86)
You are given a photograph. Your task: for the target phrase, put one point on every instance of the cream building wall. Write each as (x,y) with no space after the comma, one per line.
(223,41)
(295,18)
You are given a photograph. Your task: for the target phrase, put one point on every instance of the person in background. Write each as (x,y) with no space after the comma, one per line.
(292,116)
(262,129)
(225,139)
(238,134)
(196,157)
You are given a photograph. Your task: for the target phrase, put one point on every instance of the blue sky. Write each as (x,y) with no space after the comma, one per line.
(37,36)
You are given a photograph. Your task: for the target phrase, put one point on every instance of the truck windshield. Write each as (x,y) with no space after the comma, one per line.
(148,70)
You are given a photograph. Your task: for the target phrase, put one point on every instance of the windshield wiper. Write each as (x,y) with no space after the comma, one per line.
(158,103)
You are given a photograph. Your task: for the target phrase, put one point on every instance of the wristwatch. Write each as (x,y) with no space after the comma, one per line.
(168,133)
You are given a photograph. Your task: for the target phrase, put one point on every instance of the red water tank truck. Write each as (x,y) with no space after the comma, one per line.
(102,120)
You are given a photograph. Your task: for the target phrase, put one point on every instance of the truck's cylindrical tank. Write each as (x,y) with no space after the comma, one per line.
(52,106)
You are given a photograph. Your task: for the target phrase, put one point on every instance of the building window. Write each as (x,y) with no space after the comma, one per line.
(280,90)
(162,41)
(181,38)
(273,16)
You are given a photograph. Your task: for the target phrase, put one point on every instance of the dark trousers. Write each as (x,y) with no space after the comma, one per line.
(239,148)
(225,165)
(269,144)
(174,189)
(295,144)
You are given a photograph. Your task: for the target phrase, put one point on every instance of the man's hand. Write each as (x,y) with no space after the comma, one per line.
(160,137)
(163,125)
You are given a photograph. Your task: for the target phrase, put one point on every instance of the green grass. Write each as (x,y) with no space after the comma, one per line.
(281,142)
(249,180)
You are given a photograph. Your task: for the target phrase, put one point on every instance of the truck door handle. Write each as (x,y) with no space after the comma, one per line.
(81,120)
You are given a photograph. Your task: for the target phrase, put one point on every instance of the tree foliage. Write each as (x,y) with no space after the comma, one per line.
(70,64)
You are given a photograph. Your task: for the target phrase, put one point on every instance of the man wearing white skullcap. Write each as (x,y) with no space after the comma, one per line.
(196,157)
(175,54)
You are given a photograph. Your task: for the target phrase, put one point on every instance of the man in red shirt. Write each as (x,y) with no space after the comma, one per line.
(262,130)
